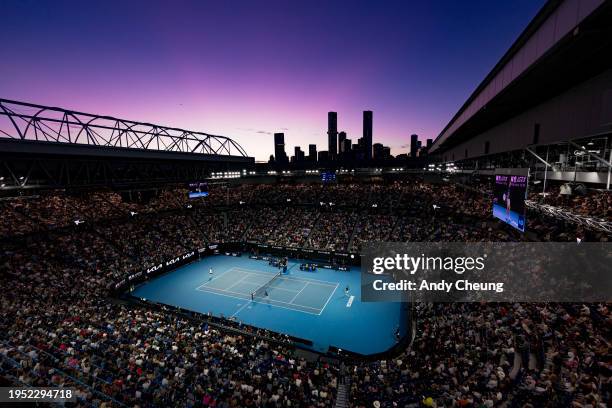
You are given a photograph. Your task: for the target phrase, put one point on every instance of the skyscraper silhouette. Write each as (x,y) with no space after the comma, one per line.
(414,145)
(279,148)
(341,139)
(367,134)
(312,152)
(332,134)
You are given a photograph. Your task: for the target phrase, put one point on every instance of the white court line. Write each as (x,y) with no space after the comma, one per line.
(242,280)
(216,277)
(237,282)
(271,287)
(328,299)
(296,295)
(250,271)
(213,290)
(313,281)
(240,310)
(282,307)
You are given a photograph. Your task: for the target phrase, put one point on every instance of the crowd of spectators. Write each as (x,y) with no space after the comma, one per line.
(59,326)
(495,355)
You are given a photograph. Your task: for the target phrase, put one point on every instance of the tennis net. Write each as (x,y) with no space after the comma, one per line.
(262,289)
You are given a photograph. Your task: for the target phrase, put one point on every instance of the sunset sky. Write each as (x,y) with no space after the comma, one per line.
(247,69)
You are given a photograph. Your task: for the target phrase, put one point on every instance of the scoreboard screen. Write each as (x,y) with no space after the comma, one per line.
(509,195)
(328,177)
(198,190)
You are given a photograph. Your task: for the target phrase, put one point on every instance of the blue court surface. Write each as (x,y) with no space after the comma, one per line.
(308,305)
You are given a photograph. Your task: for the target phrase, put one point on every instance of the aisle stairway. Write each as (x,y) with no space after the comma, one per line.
(342,398)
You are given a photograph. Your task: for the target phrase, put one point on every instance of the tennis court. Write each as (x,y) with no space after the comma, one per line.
(300,294)
(309,305)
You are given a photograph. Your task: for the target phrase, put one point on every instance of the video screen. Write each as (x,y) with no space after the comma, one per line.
(509,199)
(198,190)
(328,177)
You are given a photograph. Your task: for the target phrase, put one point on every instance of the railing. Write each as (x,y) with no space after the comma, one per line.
(565,215)
(26,121)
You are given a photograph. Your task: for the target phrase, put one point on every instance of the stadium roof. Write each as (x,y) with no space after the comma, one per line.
(29,127)
(560,47)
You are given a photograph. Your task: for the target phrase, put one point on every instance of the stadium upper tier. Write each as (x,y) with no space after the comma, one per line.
(294,216)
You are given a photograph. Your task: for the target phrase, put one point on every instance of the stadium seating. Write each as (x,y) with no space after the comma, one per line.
(60,327)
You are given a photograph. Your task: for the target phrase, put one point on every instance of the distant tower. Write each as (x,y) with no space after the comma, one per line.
(299,154)
(312,152)
(414,145)
(341,139)
(367,134)
(378,151)
(386,152)
(279,148)
(346,146)
(429,143)
(332,134)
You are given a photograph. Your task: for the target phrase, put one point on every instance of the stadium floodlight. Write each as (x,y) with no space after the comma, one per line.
(288,200)
(189,206)
(435,207)
(133,213)
(78,222)
(241,202)
(321,202)
(374,205)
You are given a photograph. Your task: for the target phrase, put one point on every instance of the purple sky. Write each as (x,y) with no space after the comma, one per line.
(247,69)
